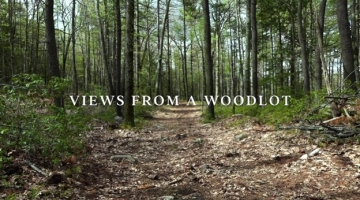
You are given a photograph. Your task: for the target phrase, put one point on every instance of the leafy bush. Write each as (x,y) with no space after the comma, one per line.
(35,128)
(268,114)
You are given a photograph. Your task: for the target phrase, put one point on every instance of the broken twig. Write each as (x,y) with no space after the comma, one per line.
(35,168)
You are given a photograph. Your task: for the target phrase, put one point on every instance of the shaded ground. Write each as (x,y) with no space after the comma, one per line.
(177,156)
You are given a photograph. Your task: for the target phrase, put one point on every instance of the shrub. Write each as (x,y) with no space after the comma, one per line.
(28,125)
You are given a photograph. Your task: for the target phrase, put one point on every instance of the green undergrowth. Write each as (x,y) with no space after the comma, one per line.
(267,114)
(37,129)
(107,113)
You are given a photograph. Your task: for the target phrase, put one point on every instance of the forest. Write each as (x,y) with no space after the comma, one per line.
(179,99)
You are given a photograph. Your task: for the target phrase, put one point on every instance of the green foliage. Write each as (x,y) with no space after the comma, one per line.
(73,171)
(268,114)
(35,128)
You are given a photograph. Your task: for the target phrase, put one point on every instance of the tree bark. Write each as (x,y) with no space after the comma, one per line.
(304,56)
(118,55)
(51,45)
(161,47)
(255,87)
(247,83)
(75,76)
(320,32)
(209,88)
(105,51)
(129,57)
(346,43)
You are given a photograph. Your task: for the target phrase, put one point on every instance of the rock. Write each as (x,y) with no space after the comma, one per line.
(313,153)
(13,169)
(198,141)
(118,158)
(304,157)
(56,178)
(166,198)
(153,177)
(240,137)
(118,119)
(180,136)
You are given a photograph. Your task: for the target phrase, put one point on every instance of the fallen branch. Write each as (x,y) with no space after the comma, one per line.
(176,181)
(306,128)
(35,168)
(346,98)
(330,120)
(10,186)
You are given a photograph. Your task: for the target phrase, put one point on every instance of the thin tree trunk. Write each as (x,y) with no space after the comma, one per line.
(129,56)
(169,86)
(247,83)
(304,56)
(75,77)
(255,87)
(51,45)
(161,47)
(210,111)
(186,86)
(355,37)
(118,55)
(320,33)
(105,52)
(347,52)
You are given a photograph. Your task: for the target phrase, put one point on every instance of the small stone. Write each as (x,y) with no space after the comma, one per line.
(166,198)
(118,158)
(180,136)
(304,157)
(56,178)
(118,119)
(240,137)
(313,153)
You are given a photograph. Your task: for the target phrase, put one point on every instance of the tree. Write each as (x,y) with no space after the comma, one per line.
(160,50)
(347,52)
(320,33)
(304,54)
(51,45)
(105,50)
(247,84)
(255,87)
(129,58)
(118,55)
(75,77)
(209,88)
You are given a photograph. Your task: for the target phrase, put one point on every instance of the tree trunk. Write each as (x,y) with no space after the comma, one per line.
(209,88)
(129,56)
(161,46)
(75,77)
(169,86)
(292,58)
(118,55)
(247,83)
(346,43)
(320,32)
(186,89)
(355,37)
(138,46)
(105,52)
(51,45)
(304,56)
(322,57)
(255,87)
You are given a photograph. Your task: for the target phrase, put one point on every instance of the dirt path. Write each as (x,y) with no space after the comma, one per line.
(177,157)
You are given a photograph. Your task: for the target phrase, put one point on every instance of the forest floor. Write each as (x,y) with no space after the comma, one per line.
(176,156)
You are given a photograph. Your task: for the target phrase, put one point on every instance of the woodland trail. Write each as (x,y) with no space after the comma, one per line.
(177,157)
